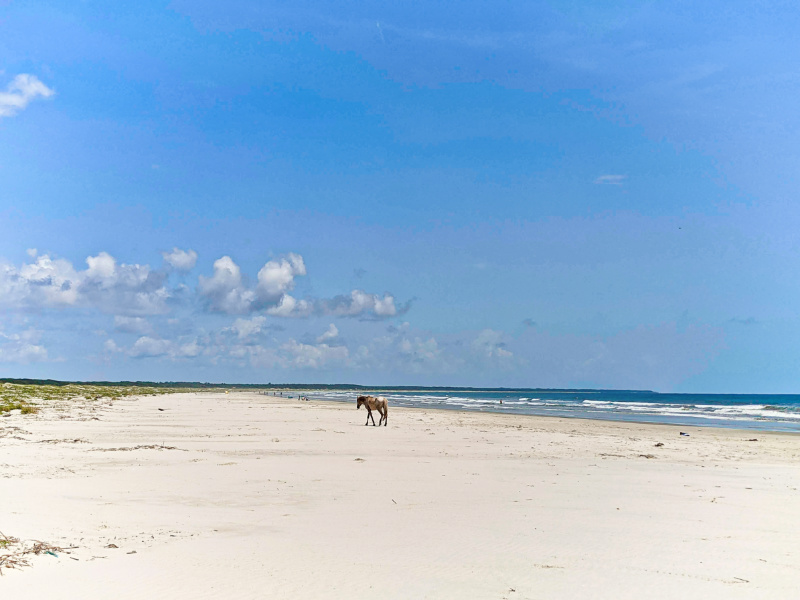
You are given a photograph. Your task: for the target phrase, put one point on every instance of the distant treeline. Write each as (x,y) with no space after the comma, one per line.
(295,386)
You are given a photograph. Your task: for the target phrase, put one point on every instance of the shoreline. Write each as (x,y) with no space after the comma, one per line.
(509,413)
(202,494)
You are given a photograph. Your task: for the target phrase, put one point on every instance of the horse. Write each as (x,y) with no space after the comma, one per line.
(380,404)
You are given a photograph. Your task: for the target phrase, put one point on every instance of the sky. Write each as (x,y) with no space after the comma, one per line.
(520,194)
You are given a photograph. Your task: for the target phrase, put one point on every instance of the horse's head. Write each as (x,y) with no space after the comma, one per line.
(361,400)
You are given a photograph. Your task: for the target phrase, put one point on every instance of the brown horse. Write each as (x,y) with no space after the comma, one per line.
(379,403)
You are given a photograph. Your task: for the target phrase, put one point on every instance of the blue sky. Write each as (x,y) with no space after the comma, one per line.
(554,194)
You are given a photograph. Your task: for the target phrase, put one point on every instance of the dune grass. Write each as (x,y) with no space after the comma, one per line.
(28,398)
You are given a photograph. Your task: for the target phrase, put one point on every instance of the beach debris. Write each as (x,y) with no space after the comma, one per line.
(358,459)
(162,409)
(131,552)
(647,455)
(753,440)
(684,433)
(15,554)
(140,447)
(112,546)
(659,444)
(393,501)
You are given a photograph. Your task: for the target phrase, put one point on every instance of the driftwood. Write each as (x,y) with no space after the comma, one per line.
(15,554)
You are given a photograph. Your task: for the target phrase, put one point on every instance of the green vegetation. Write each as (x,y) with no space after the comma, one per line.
(161,387)
(29,395)
(26,408)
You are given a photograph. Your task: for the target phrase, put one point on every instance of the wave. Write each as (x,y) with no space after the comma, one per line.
(753,414)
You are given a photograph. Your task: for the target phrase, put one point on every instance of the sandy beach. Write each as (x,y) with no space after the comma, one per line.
(242,495)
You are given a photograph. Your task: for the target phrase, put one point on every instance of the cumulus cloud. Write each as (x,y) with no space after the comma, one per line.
(134,290)
(331,334)
(225,289)
(104,284)
(289,306)
(246,328)
(20,92)
(128,288)
(610,180)
(147,346)
(361,304)
(180,260)
(277,276)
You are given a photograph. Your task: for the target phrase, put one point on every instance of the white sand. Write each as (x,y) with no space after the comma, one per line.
(273,498)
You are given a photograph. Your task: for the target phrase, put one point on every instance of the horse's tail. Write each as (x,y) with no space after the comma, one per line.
(386,412)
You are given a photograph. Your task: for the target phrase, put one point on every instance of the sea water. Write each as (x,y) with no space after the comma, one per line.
(743,411)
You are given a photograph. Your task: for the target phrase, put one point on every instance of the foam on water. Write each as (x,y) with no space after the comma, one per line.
(780,413)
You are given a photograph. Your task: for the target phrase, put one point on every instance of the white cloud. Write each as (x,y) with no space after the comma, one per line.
(22,347)
(151,347)
(190,349)
(48,282)
(291,307)
(420,350)
(147,346)
(180,260)
(331,334)
(360,304)
(245,328)
(314,356)
(610,179)
(104,284)
(123,288)
(20,92)
(111,346)
(102,268)
(277,276)
(132,325)
(225,289)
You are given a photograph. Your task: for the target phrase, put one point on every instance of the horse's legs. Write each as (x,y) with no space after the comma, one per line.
(369,415)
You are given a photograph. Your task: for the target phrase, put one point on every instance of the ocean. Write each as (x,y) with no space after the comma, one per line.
(740,411)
